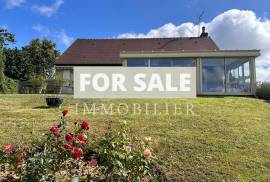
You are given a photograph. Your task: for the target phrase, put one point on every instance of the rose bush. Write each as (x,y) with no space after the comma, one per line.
(73,155)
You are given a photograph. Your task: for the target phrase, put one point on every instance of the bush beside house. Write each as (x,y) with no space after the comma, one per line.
(263,90)
(38,83)
(58,83)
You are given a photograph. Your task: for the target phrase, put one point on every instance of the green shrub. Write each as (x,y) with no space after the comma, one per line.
(59,81)
(10,85)
(39,81)
(263,90)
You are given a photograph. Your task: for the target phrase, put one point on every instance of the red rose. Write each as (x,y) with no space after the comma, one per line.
(69,137)
(65,111)
(82,137)
(77,153)
(85,125)
(8,148)
(55,131)
(68,147)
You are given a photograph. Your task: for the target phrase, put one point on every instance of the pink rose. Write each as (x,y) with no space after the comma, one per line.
(8,148)
(147,153)
(93,162)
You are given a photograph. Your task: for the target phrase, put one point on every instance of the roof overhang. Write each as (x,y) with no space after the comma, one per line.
(189,54)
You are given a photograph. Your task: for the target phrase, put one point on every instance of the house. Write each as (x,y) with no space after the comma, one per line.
(219,72)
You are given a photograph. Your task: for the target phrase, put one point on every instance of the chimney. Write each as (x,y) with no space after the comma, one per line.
(204,33)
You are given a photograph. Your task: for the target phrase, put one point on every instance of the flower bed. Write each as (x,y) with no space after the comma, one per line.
(72,155)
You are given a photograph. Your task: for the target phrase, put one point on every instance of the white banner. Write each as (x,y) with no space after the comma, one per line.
(134,82)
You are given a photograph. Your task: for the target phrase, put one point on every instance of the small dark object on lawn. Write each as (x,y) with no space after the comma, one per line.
(54,101)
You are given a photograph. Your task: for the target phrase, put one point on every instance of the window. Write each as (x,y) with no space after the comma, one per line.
(229,75)
(183,63)
(137,63)
(160,63)
(237,75)
(172,62)
(213,79)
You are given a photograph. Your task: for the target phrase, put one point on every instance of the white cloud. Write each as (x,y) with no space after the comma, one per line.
(41,29)
(167,30)
(64,38)
(59,36)
(48,10)
(14,3)
(233,29)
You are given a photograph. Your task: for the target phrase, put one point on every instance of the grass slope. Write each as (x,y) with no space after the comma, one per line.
(228,139)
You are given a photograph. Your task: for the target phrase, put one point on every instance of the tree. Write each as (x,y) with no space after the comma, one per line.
(42,55)
(17,65)
(36,58)
(5,39)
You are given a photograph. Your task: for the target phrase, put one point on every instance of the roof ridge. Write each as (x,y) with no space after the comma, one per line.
(142,38)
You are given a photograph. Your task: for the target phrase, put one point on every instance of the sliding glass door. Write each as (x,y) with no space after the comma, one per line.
(226,75)
(237,75)
(213,79)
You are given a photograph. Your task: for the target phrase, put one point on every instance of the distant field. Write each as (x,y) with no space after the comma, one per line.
(228,139)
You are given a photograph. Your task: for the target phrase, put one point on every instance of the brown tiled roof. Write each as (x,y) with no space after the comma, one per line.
(107,51)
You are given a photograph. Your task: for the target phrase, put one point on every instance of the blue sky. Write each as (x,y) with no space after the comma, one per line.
(233,24)
(108,18)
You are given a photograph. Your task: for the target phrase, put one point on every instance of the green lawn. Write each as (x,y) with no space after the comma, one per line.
(228,139)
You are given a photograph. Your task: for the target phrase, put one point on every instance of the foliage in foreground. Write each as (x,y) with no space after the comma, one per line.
(75,156)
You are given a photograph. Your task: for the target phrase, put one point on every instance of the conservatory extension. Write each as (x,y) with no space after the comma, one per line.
(218,72)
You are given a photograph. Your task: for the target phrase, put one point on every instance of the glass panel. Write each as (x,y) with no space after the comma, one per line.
(183,63)
(213,79)
(172,62)
(160,63)
(237,75)
(137,63)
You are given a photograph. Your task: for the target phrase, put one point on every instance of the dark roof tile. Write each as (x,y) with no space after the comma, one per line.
(107,51)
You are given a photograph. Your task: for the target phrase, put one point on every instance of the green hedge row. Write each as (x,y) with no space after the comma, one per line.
(26,87)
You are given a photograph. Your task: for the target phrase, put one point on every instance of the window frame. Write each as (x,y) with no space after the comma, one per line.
(251,75)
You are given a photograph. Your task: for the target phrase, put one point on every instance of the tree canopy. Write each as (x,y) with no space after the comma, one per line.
(36,58)
(5,39)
